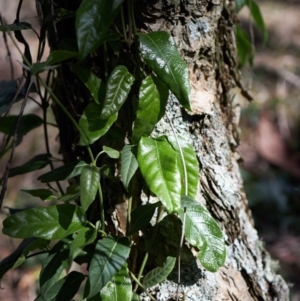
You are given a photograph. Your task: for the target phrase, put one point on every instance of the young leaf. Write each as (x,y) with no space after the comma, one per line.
(162,56)
(118,87)
(109,257)
(93,19)
(112,153)
(43,194)
(65,288)
(244,46)
(73,192)
(91,81)
(158,164)
(202,231)
(89,181)
(92,126)
(191,165)
(57,56)
(15,27)
(84,237)
(129,164)
(119,288)
(27,123)
(35,163)
(141,216)
(53,222)
(150,108)
(64,172)
(159,274)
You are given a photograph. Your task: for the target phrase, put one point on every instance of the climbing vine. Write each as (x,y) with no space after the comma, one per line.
(77,226)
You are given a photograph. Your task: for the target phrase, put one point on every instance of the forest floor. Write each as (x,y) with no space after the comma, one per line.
(270,147)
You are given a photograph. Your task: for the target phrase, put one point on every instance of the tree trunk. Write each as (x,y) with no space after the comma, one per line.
(203,31)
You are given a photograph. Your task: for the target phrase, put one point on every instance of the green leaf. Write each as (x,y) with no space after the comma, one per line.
(135,297)
(191,164)
(41,67)
(162,56)
(57,56)
(112,153)
(92,126)
(158,164)
(35,163)
(72,193)
(89,181)
(119,288)
(7,94)
(244,46)
(64,172)
(91,81)
(8,262)
(15,27)
(51,270)
(84,237)
(118,87)
(27,123)
(66,288)
(258,18)
(129,164)
(141,216)
(43,194)
(53,222)
(151,107)
(239,4)
(202,231)
(93,19)
(109,257)
(159,274)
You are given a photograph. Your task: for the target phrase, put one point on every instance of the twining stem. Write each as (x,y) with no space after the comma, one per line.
(184,213)
(102,217)
(145,259)
(139,284)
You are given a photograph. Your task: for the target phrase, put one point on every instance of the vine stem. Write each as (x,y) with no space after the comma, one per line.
(184,212)
(139,284)
(159,218)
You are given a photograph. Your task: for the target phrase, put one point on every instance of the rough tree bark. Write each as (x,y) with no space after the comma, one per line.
(203,31)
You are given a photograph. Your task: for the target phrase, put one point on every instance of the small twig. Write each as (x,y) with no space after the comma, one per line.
(140,285)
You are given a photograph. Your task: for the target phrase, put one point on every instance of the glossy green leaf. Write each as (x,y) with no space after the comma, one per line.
(93,19)
(51,270)
(159,274)
(64,172)
(66,288)
(162,56)
(202,232)
(112,153)
(118,87)
(27,123)
(92,126)
(43,194)
(119,288)
(72,193)
(53,222)
(158,163)
(84,237)
(35,163)
(58,56)
(109,257)
(89,181)
(15,27)
(91,81)
(129,164)
(191,164)
(150,108)
(141,216)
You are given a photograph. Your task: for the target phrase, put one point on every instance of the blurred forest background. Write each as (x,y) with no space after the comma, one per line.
(269,141)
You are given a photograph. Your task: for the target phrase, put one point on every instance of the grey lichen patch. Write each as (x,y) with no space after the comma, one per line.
(199,27)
